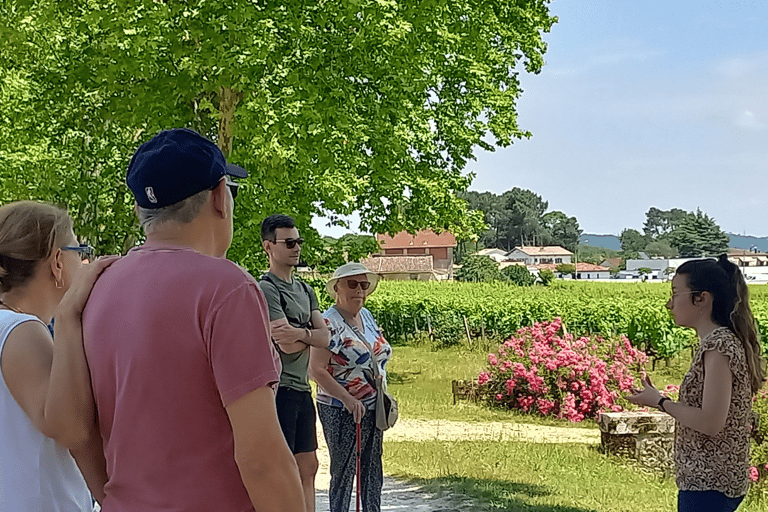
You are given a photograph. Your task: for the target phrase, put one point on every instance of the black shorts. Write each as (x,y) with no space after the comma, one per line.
(296,412)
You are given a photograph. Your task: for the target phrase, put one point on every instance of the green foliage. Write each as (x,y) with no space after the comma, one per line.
(644,270)
(562,230)
(367,106)
(698,235)
(660,248)
(595,255)
(546,276)
(632,240)
(660,223)
(478,269)
(498,310)
(518,274)
(566,268)
(349,247)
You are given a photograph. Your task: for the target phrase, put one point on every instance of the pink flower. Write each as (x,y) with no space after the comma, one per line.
(492,359)
(754,474)
(499,397)
(483,378)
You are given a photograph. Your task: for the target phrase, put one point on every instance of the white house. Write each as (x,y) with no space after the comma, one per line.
(658,266)
(497,255)
(532,255)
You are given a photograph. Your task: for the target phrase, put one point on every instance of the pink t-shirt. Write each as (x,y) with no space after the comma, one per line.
(172,337)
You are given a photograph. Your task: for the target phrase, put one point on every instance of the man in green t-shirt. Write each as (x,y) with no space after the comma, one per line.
(296,323)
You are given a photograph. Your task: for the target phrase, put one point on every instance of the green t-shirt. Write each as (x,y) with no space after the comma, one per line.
(296,306)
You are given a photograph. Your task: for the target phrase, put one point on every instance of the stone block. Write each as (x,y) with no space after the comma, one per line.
(647,437)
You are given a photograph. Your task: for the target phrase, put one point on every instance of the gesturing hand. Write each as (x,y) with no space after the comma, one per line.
(649,395)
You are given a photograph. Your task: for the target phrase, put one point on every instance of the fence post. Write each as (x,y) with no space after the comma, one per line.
(466,327)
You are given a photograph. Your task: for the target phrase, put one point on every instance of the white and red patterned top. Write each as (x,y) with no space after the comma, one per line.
(351,363)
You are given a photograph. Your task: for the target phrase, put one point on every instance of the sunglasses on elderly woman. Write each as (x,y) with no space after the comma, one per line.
(352,284)
(84,250)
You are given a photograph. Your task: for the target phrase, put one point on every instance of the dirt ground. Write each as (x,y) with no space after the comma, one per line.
(400,496)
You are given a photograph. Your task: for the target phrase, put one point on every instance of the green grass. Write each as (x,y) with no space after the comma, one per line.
(512,475)
(420,379)
(515,476)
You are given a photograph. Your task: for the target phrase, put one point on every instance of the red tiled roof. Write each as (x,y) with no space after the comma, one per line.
(388,264)
(424,238)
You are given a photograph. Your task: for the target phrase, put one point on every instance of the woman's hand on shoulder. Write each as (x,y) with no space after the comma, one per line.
(76,297)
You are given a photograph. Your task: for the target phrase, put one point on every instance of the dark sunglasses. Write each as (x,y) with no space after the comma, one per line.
(290,243)
(84,250)
(233,186)
(352,284)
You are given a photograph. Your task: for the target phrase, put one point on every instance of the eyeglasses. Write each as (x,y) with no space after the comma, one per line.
(290,243)
(672,295)
(84,250)
(352,284)
(233,186)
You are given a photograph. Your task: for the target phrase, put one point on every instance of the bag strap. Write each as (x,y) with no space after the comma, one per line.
(364,341)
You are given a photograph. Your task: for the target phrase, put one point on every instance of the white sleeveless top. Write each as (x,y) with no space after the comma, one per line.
(36,473)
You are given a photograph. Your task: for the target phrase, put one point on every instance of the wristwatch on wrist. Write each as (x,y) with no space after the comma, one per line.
(660,405)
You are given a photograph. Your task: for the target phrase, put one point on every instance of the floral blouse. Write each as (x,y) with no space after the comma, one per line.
(351,363)
(719,462)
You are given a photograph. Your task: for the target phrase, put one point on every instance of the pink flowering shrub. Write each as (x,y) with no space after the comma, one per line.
(758,470)
(542,370)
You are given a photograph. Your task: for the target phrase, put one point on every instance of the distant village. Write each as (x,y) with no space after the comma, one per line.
(428,256)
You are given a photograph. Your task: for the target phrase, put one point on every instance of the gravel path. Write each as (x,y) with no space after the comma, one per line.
(398,496)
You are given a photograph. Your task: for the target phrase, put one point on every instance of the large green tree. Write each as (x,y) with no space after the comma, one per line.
(632,240)
(368,106)
(660,223)
(699,235)
(562,230)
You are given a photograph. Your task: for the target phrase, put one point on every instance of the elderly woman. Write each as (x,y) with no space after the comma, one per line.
(346,392)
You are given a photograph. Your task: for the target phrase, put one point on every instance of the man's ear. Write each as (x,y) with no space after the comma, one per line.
(265,245)
(220,200)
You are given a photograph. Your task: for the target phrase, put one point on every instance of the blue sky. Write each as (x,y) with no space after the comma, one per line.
(640,104)
(645,104)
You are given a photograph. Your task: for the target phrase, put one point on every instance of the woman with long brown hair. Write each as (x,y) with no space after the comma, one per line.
(40,274)
(714,411)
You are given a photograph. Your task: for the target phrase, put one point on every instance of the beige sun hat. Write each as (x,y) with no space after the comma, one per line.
(349,270)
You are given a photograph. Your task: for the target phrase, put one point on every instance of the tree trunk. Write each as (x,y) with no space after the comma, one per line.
(228,99)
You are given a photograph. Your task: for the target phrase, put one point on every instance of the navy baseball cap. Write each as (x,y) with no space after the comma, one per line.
(174,165)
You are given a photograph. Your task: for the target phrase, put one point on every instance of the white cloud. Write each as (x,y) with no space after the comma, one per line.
(750,121)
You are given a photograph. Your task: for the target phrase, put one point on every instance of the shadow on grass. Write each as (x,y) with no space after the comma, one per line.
(492,494)
(402,377)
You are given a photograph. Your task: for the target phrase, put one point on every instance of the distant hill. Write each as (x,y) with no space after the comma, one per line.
(737,241)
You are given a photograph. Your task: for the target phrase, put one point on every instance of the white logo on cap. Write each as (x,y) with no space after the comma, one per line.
(150,194)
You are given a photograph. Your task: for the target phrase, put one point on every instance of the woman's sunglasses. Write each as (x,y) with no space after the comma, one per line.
(352,284)
(84,250)
(290,243)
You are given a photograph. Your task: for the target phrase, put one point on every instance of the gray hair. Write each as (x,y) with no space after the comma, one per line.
(183,212)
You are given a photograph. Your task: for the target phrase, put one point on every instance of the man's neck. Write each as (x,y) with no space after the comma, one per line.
(182,237)
(281,271)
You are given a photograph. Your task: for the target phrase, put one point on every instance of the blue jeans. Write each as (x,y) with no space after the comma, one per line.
(706,501)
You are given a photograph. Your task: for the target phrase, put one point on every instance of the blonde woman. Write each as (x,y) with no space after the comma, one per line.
(40,273)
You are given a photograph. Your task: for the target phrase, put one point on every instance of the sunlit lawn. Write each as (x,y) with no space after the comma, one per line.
(511,475)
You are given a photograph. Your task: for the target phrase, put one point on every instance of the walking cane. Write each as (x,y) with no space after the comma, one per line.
(357,462)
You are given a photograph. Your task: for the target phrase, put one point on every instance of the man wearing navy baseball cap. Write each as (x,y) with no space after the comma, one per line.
(182,367)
